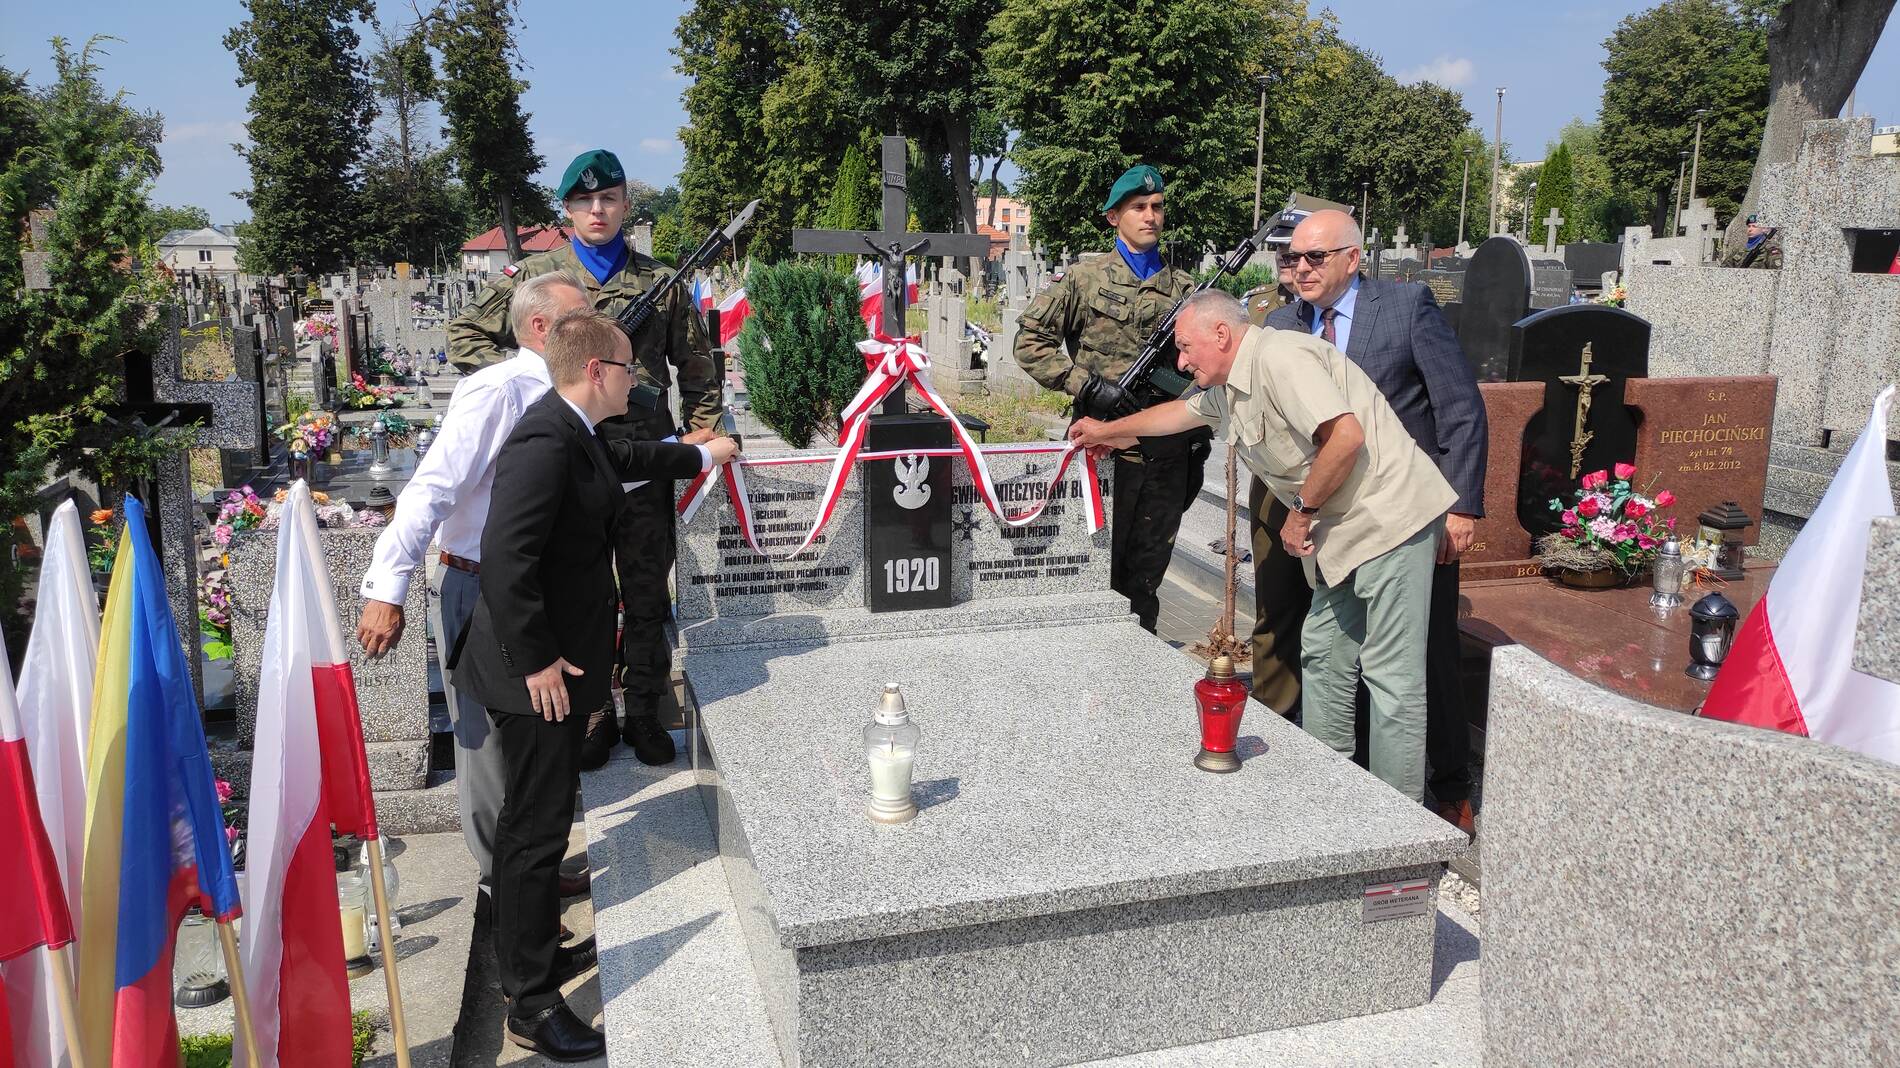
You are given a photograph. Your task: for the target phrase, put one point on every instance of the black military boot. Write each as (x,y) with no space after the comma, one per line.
(601,735)
(642,731)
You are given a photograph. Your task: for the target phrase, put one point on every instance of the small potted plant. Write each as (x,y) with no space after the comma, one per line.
(1610,531)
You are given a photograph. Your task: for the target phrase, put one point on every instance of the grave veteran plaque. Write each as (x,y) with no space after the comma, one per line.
(907,514)
(720,575)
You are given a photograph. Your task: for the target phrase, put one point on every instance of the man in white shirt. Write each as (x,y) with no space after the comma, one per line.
(448,499)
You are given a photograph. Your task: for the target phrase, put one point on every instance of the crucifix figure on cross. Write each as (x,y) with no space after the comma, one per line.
(1586,383)
(892,245)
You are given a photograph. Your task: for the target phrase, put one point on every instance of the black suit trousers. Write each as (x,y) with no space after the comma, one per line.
(542,767)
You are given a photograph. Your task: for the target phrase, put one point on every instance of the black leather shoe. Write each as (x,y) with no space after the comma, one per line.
(556,1033)
(575,885)
(599,743)
(570,961)
(651,744)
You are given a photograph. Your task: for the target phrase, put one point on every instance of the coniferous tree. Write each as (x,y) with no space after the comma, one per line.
(311,108)
(409,203)
(481,98)
(810,368)
(732,52)
(1556,188)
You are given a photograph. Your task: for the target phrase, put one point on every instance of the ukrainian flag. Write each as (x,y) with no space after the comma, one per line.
(155,840)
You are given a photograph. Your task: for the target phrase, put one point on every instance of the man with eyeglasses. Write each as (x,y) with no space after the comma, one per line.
(1395,333)
(672,345)
(1079,335)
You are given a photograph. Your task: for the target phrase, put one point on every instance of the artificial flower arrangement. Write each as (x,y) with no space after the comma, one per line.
(1608,525)
(214,614)
(317,325)
(102,541)
(360,394)
(308,433)
(241,511)
(1615,296)
(393,362)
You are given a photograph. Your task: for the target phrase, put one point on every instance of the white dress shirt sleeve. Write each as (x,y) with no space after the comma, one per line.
(705,464)
(472,433)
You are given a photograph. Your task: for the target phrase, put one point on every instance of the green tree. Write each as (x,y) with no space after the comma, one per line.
(853,204)
(310,108)
(808,123)
(408,209)
(1556,188)
(1091,89)
(481,99)
(647,203)
(670,238)
(1441,218)
(810,369)
(166,218)
(1664,64)
(76,153)
(731,52)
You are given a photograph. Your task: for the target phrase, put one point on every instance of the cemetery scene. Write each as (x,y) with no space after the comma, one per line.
(880,539)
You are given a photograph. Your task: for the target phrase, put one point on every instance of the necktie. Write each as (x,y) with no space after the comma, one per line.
(1326,326)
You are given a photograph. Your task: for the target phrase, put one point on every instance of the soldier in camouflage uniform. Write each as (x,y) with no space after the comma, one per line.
(671,347)
(1079,335)
(1762,250)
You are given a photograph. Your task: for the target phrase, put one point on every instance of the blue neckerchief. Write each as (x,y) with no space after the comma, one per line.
(1145,264)
(1756,240)
(601,261)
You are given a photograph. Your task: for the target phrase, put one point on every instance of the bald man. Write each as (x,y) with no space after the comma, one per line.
(1395,333)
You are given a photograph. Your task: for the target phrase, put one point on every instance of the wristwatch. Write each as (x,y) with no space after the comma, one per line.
(1300,506)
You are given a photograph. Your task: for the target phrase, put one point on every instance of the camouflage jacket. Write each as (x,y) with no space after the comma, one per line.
(1101,313)
(1766,257)
(672,341)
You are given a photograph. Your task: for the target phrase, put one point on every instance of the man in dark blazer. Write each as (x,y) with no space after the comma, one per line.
(1396,334)
(541,646)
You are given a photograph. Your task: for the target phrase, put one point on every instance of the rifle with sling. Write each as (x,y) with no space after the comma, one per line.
(635,315)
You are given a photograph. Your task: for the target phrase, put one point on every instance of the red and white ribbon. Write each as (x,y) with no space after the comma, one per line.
(892,362)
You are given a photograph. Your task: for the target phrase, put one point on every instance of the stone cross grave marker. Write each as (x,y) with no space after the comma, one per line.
(1401,243)
(1551,223)
(919,536)
(1583,353)
(1698,227)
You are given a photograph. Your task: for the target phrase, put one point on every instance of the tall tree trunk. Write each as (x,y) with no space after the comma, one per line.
(1817,50)
(996,165)
(956,132)
(508,231)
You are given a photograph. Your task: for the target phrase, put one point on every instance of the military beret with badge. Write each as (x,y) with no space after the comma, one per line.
(1138,180)
(592,170)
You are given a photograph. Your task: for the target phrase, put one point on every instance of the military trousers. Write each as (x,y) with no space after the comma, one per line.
(644,546)
(1149,497)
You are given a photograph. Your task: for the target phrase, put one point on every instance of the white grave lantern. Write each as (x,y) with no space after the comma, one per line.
(890,747)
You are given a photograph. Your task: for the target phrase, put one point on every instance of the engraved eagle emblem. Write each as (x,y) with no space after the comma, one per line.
(588,179)
(911,492)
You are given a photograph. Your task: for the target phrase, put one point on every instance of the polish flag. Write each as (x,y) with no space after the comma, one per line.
(55,701)
(308,771)
(871,292)
(33,909)
(733,312)
(1791,667)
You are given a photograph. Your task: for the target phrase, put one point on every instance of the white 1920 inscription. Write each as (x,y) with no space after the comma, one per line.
(918,573)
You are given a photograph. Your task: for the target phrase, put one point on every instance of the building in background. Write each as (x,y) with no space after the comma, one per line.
(487,253)
(213,249)
(1012,218)
(1887,141)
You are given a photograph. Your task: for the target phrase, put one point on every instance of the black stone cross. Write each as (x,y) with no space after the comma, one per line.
(892,245)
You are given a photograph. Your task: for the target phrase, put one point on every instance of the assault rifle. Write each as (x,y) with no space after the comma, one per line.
(635,315)
(1153,378)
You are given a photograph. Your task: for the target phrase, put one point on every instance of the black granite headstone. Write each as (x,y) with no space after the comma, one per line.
(1448,287)
(1497,293)
(907,515)
(1550,284)
(1548,347)
(1588,260)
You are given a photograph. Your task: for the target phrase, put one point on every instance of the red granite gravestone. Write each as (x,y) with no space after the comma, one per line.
(1706,441)
(1503,547)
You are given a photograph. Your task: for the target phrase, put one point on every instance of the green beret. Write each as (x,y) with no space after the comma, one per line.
(592,170)
(1135,181)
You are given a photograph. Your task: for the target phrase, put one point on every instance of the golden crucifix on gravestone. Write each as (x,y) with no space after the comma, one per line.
(1585,383)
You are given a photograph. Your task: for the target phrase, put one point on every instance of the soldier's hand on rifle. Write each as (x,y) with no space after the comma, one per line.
(1100,398)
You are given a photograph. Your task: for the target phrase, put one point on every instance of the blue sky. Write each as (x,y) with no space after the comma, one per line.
(600,74)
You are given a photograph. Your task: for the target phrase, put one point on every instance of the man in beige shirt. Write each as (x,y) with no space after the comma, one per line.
(1365,509)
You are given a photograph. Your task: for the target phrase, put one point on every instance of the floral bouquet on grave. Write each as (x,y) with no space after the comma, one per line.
(233,809)
(311,432)
(241,511)
(1608,525)
(317,325)
(102,541)
(360,394)
(214,615)
(1614,297)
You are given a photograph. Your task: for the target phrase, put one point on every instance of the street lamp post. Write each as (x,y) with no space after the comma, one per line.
(1530,198)
(1497,154)
(1464,187)
(1695,160)
(1365,192)
(1675,201)
(1260,150)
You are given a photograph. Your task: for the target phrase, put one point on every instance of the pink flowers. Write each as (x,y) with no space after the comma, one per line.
(1609,523)
(1569,517)
(1594,479)
(1634,508)
(1664,500)
(1624,471)
(223,786)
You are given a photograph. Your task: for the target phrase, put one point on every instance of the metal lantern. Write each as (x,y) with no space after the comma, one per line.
(1667,573)
(382,501)
(1711,632)
(1722,526)
(378,449)
(1220,699)
(890,747)
(425,437)
(197,964)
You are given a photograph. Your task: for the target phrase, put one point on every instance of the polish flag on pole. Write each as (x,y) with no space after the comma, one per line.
(55,701)
(308,771)
(871,293)
(733,312)
(1791,667)
(33,909)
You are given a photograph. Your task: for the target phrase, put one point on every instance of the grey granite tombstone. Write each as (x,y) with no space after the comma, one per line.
(1877,634)
(1725,912)
(1551,284)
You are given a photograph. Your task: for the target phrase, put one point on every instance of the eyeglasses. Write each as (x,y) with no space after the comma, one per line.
(1316,256)
(616,363)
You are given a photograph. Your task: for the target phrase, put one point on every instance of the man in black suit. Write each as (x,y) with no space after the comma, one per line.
(1396,334)
(541,645)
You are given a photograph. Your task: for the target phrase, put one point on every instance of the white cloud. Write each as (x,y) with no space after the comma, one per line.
(658,144)
(1445,71)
